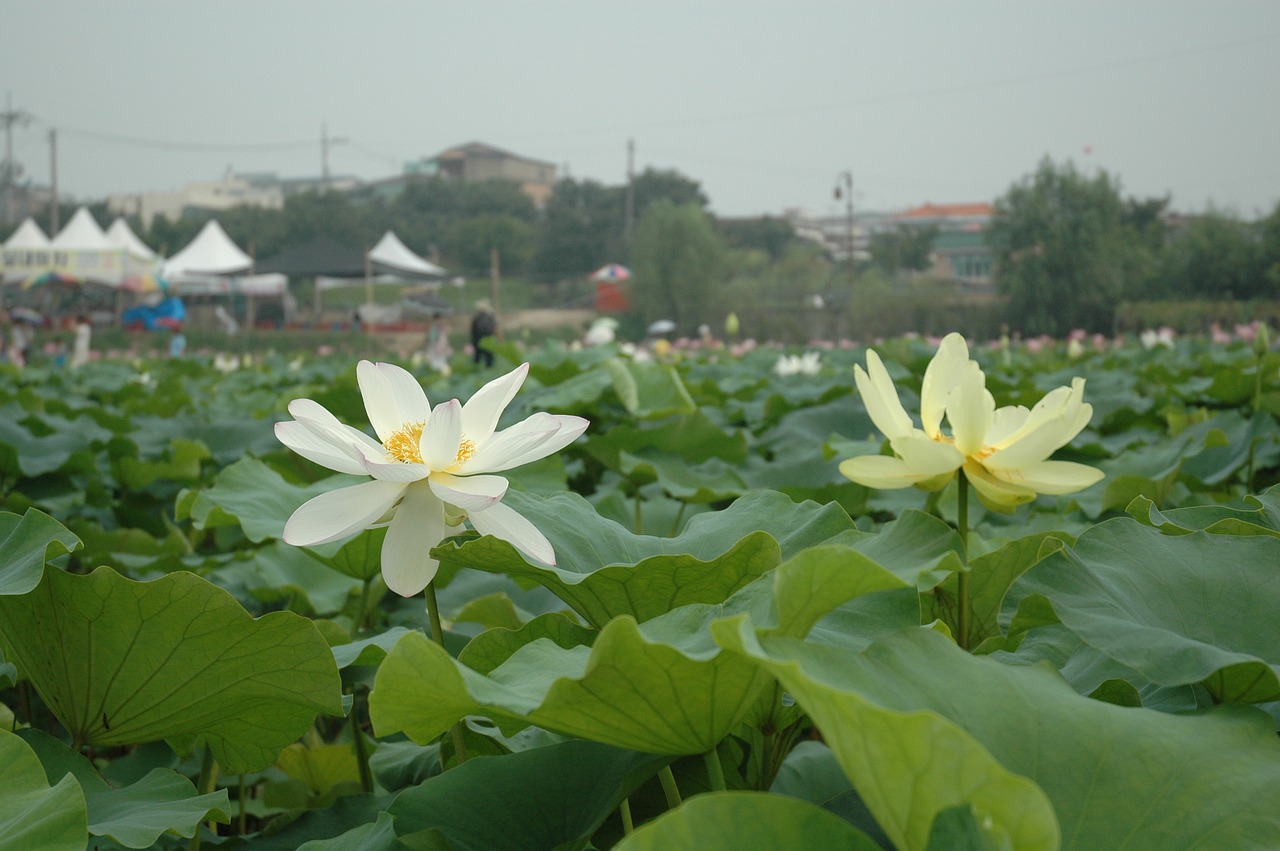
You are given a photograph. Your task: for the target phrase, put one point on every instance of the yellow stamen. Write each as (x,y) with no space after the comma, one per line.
(466,449)
(403,444)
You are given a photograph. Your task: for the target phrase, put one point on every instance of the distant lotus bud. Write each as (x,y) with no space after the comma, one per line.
(1262,341)
(731,325)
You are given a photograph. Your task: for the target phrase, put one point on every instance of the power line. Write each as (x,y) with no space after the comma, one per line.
(173,145)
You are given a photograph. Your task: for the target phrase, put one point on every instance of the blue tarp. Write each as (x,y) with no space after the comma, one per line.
(169,313)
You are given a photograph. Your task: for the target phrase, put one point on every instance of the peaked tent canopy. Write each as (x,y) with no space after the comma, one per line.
(211,253)
(122,236)
(390,254)
(82,233)
(27,236)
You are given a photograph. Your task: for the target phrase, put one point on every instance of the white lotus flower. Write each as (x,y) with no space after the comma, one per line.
(1003,452)
(431,467)
(809,363)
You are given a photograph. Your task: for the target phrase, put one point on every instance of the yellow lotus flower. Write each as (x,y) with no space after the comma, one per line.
(1003,451)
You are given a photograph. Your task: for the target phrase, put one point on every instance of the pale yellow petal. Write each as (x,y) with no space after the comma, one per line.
(926,457)
(880,471)
(995,494)
(970,410)
(941,376)
(880,397)
(1052,477)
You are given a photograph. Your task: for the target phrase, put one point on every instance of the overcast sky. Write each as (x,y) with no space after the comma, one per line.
(763,103)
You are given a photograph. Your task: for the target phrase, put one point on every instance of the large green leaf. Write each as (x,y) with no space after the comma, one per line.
(921,726)
(662,686)
(121,662)
(649,390)
(26,543)
(747,821)
(33,816)
(1196,608)
(252,494)
(134,816)
(1216,519)
(605,571)
(547,797)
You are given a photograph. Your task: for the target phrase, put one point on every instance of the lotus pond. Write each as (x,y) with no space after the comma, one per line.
(737,647)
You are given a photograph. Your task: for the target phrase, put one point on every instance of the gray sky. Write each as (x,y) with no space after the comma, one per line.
(763,103)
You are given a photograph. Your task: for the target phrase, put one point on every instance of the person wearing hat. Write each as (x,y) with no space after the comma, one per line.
(483,324)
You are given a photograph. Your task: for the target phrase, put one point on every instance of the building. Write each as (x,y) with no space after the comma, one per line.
(476,161)
(960,250)
(257,189)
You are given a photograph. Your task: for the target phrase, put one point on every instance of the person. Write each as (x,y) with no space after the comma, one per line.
(438,348)
(80,343)
(177,342)
(483,324)
(20,337)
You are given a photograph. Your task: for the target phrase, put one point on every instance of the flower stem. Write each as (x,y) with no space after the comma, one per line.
(206,784)
(437,635)
(358,744)
(669,787)
(363,604)
(715,771)
(962,579)
(675,527)
(624,809)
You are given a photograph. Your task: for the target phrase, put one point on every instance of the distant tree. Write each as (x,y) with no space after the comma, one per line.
(770,234)
(474,239)
(679,265)
(1065,254)
(1269,251)
(903,248)
(1215,256)
(653,185)
(580,230)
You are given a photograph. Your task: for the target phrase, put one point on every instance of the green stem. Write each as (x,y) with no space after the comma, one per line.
(624,809)
(357,742)
(639,525)
(962,579)
(437,635)
(669,787)
(675,527)
(364,604)
(715,771)
(206,784)
(242,822)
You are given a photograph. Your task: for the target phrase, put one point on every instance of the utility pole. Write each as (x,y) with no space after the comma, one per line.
(8,118)
(847,178)
(629,222)
(54,218)
(325,143)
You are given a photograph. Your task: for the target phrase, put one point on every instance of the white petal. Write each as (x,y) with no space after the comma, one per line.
(503,522)
(418,526)
(880,397)
(1052,477)
(340,513)
(304,441)
(440,439)
(470,493)
(1005,422)
(941,376)
(531,439)
(970,409)
(481,412)
(394,471)
(392,397)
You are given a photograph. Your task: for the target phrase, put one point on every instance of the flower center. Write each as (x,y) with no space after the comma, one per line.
(466,449)
(403,444)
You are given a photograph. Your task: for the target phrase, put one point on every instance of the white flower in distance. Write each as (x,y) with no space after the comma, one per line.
(809,363)
(1003,451)
(430,466)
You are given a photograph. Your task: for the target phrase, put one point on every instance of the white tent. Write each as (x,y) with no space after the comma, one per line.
(82,233)
(390,254)
(27,237)
(211,253)
(122,236)
(80,251)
